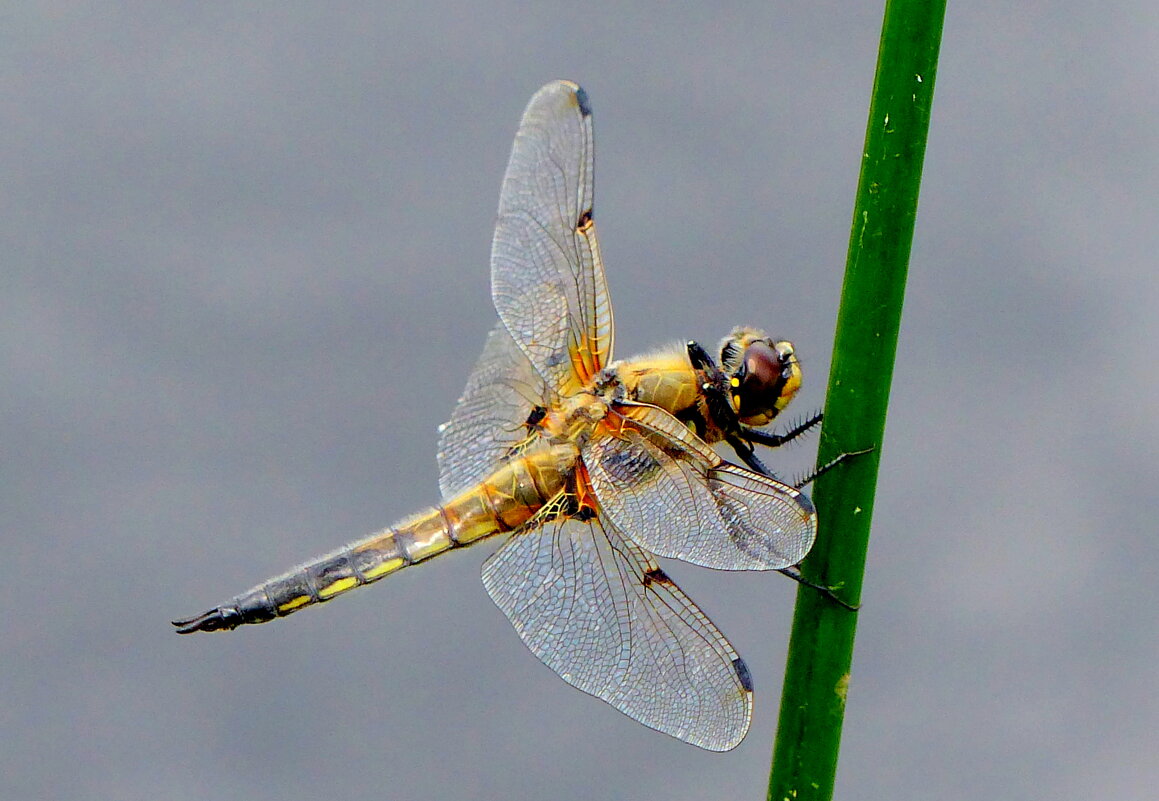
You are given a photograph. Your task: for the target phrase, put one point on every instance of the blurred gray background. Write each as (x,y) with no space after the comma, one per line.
(245,274)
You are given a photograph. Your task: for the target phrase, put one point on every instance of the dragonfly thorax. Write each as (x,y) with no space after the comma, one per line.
(574,418)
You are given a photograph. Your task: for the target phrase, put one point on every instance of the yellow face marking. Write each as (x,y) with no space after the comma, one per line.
(790,389)
(341,585)
(295,603)
(389,566)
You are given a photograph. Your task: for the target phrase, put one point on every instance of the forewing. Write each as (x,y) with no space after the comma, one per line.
(600,613)
(671,494)
(490,420)
(547,279)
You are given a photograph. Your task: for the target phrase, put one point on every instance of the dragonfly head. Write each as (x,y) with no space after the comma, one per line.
(764,374)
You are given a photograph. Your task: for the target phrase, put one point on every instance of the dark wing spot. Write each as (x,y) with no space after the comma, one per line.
(629,464)
(742,673)
(656,576)
(584,221)
(581,99)
(581,513)
(537,414)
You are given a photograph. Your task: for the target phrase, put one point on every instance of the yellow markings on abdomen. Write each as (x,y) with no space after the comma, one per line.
(383,568)
(502,502)
(342,585)
(292,604)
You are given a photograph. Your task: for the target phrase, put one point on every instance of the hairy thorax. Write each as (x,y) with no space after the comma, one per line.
(663,378)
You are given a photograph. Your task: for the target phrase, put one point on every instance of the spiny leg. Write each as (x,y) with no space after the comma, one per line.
(744,450)
(742,439)
(742,442)
(794,572)
(773,440)
(821,470)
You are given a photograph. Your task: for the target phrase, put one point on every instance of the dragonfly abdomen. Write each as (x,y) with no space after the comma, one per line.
(502,502)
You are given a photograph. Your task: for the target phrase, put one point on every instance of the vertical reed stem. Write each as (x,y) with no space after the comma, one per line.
(821,647)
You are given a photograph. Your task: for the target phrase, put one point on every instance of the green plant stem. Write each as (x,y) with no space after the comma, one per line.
(821,647)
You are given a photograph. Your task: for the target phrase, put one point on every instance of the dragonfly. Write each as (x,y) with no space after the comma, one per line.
(591,468)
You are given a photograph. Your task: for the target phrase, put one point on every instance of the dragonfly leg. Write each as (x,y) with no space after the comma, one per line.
(699,356)
(774,440)
(745,451)
(821,470)
(743,438)
(794,572)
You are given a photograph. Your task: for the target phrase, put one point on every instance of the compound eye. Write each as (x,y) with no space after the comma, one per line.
(765,382)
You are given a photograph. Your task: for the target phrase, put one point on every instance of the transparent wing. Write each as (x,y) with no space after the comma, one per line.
(673,495)
(599,612)
(489,423)
(547,279)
